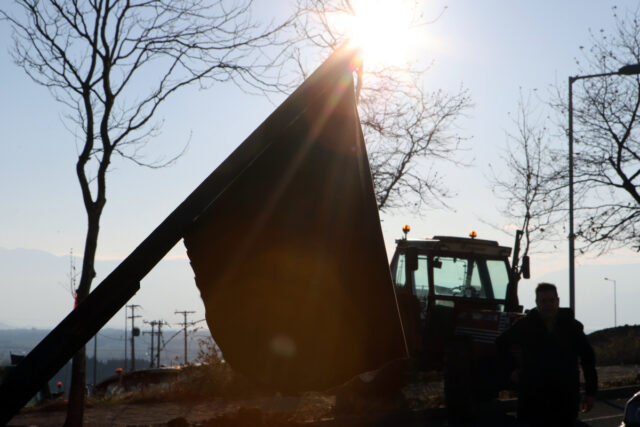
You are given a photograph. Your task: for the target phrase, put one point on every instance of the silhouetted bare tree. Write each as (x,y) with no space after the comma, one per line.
(524,180)
(607,140)
(113,63)
(407,128)
(606,150)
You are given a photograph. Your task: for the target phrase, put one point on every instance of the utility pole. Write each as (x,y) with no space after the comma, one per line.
(627,70)
(160,324)
(153,324)
(126,319)
(185,324)
(134,333)
(95,358)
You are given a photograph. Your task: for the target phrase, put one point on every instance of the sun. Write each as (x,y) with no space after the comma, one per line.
(385,30)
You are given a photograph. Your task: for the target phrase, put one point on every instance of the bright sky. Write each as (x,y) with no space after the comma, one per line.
(493,48)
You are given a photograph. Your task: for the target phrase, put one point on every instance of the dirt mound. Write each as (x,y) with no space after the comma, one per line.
(616,346)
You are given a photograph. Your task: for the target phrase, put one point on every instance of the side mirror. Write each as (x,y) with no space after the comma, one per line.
(524,269)
(412,259)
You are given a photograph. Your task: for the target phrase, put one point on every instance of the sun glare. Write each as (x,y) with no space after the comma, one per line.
(384,29)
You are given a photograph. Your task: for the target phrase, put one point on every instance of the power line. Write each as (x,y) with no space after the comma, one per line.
(110,338)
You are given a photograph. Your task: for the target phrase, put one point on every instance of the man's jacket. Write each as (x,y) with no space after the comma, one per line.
(548,359)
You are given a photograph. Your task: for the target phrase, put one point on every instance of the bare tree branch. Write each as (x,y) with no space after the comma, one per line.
(525,181)
(112,63)
(607,140)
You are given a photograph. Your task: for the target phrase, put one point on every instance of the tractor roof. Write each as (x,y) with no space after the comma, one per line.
(458,245)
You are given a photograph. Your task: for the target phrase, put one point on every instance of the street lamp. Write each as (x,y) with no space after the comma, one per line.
(627,70)
(615,312)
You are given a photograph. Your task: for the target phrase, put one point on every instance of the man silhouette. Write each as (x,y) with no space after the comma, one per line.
(543,349)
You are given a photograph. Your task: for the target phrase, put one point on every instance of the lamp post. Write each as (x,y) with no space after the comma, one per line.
(627,70)
(615,311)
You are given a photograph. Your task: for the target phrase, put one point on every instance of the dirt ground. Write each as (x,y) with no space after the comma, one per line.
(619,375)
(308,407)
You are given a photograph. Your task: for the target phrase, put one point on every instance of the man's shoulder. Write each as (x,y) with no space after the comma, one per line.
(566,313)
(530,320)
(531,316)
(567,319)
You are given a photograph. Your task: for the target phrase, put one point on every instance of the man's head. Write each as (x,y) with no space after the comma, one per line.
(547,301)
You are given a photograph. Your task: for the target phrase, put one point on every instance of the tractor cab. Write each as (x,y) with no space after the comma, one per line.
(448,286)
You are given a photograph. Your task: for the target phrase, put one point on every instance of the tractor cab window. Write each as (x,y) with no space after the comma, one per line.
(459,277)
(400,275)
(470,277)
(421,278)
(499,277)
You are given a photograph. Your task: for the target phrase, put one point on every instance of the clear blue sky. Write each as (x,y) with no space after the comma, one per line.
(493,48)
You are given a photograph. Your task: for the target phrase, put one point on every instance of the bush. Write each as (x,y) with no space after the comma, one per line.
(210,376)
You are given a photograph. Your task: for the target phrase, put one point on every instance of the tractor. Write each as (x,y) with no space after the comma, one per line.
(455,296)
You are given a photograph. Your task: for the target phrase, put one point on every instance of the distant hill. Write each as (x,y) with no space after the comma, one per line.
(110,345)
(617,346)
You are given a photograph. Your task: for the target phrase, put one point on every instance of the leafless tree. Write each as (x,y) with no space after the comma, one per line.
(407,128)
(607,139)
(525,181)
(113,63)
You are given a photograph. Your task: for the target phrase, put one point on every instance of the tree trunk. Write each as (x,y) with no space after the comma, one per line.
(75,406)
